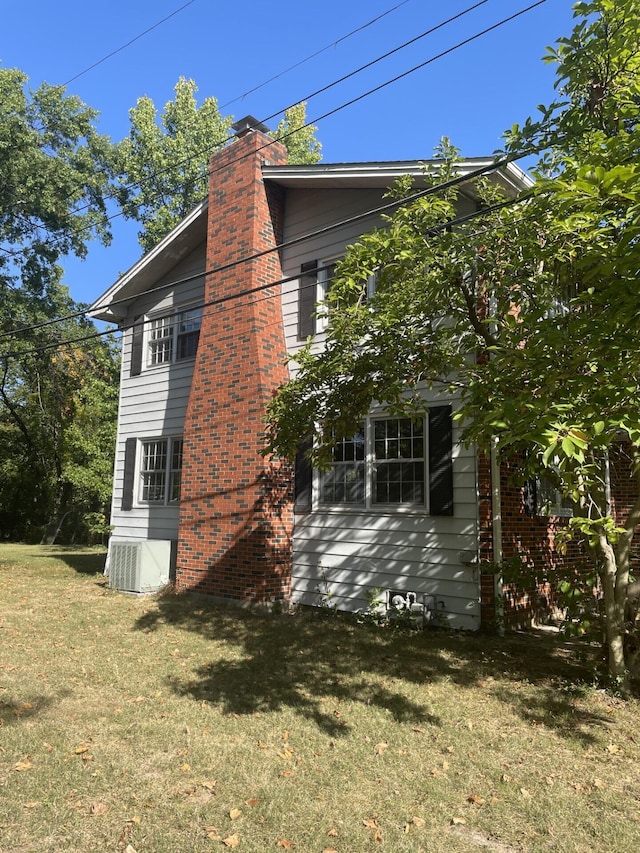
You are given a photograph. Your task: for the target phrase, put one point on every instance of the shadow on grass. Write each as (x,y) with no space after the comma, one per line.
(13,712)
(307,660)
(82,560)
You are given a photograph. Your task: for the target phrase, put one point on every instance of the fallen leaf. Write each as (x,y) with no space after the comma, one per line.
(525,793)
(333,833)
(231,840)
(21,766)
(418,821)
(129,849)
(370,823)
(285,844)
(185,768)
(234,814)
(380,747)
(251,802)
(475,800)
(32,805)
(97,809)
(287,773)
(209,785)
(614,749)
(79,750)
(286,754)
(419,730)
(329,850)
(457,821)
(261,745)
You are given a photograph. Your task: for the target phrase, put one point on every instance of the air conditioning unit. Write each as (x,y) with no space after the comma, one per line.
(139,566)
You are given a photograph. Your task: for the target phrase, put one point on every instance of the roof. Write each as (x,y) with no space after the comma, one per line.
(191,231)
(188,234)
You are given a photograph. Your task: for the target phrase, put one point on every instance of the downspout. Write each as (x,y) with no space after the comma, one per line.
(496,531)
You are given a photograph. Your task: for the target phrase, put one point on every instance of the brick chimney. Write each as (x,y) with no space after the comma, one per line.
(236,515)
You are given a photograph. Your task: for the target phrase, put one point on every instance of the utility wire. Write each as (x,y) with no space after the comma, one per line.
(376,211)
(332,112)
(314,55)
(129,43)
(445,226)
(284,137)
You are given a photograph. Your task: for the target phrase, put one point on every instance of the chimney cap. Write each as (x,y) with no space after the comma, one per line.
(247,124)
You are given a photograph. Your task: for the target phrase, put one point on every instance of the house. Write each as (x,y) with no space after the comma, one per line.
(208,317)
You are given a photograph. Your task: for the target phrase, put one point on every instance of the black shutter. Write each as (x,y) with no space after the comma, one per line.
(303,478)
(530,496)
(129,473)
(440,461)
(307,299)
(136,347)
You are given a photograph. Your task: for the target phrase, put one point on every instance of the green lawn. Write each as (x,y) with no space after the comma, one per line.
(165,724)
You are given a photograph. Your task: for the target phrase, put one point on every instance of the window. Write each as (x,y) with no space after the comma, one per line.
(173,337)
(549,500)
(313,287)
(542,497)
(392,462)
(160,470)
(343,482)
(398,461)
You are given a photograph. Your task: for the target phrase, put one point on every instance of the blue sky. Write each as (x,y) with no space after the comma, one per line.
(231,49)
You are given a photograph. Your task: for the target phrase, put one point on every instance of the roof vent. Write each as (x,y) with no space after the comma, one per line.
(247,125)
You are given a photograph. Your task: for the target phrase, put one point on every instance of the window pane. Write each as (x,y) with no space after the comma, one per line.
(160,340)
(398,461)
(342,483)
(189,323)
(176,469)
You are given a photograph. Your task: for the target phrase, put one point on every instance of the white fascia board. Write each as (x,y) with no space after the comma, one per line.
(155,259)
(384,174)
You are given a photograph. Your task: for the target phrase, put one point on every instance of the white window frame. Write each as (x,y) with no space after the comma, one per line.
(160,477)
(367,467)
(166,333)
(326,272)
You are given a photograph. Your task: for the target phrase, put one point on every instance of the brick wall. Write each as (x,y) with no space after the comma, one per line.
(529,537)
(235,509)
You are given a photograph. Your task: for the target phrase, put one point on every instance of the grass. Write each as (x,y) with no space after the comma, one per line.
(166,724)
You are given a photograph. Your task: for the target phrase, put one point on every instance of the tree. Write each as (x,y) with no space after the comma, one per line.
(531,311)
(52,203)
(51,187)
(58,406)
(298,136)
(163,165)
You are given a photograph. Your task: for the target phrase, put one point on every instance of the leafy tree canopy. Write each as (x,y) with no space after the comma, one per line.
(51,187)
(163,165)
(530,311)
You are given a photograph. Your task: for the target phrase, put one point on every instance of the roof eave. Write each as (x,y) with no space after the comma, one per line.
(111,306)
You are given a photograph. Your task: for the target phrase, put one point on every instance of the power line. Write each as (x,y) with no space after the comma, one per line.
(259,288)
(376,211)
(314,55)
(383,56)
(332,112)
(310,123)
(129,43)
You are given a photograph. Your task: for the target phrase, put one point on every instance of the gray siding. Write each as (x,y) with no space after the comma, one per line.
(349,552)
(154,404)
